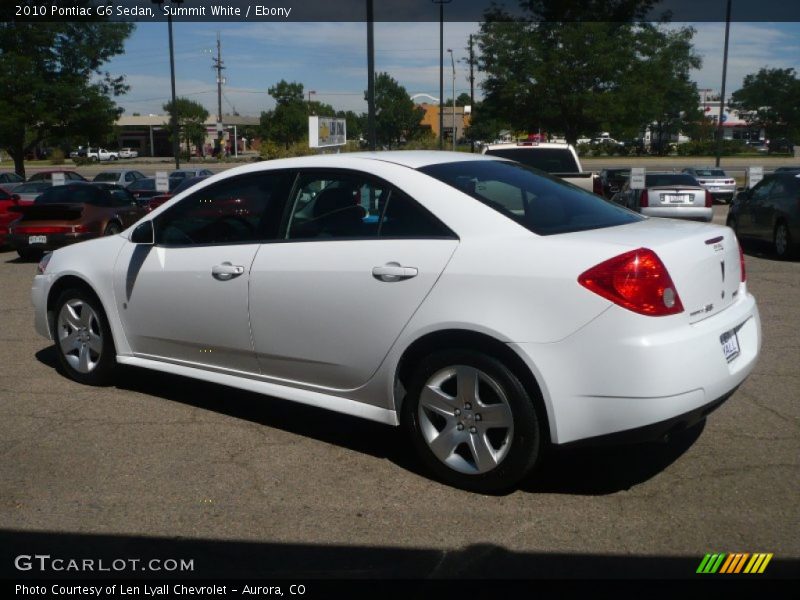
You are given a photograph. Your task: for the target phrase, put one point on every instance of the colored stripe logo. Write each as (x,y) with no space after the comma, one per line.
(734,563)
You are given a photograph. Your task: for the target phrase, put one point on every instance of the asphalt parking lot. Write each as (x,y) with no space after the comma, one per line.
(246,485)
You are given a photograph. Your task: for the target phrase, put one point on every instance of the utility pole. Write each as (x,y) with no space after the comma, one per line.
(724,75)
(441,4)
(471,87)
(218,66)
(371,138)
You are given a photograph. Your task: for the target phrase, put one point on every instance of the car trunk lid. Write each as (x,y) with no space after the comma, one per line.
(676,196)
(702,259)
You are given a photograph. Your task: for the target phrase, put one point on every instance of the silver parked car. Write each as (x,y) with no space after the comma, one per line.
(123,177)
(716,181)
(671,195)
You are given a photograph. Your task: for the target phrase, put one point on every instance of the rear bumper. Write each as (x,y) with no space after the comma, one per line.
(625,372)
(694,213)
(655,431)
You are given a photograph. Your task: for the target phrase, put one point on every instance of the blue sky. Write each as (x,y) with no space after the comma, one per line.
(330,58)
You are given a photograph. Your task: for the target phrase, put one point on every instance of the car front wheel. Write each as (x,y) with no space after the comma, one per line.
(84,344)
(472,421)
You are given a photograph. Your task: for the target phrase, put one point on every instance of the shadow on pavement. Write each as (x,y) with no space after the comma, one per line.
(235,559)
(583,471)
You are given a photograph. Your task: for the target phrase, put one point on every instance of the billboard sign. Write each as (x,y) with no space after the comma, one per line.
(324,132)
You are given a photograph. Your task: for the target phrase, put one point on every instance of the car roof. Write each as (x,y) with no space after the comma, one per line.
(528,145)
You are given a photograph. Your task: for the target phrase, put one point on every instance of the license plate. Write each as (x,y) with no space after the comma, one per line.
(730,345)
(676,198)
(37,239)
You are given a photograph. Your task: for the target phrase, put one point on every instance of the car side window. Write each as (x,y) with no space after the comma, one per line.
(761,191)
(403,217)
(121,197)
(244,209)
(335,205)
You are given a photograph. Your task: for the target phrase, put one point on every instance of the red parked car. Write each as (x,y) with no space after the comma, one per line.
(69,176)
(157,201)
(70,213)
(7,200)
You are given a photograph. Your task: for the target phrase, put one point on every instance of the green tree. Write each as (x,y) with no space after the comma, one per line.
(191,117)
(463,99)
(356,124)
(580,67)
(287,124)
(771,99)
(396,115)
(54,88)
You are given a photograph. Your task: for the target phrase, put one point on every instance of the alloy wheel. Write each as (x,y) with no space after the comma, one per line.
(465,418)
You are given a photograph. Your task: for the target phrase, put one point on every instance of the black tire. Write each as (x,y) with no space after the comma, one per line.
(782,241)
(28,254)
(76,332)
(514,450)
(112,228)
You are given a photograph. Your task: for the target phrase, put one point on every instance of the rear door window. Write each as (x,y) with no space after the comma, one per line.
(543,204)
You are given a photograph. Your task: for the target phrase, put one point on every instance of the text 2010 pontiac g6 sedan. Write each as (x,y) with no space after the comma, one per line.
(487,308)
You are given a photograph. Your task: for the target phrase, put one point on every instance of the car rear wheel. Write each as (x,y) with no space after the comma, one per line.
(471,421)
(84,344)
(782,241)
(28,254)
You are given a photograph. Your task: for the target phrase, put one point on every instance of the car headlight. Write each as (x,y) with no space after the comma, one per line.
(42,266)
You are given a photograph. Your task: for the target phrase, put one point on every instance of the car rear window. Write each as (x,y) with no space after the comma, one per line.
(544,205)
(106,177)
(665,179)
(71,194)
(549,160)
(710,173)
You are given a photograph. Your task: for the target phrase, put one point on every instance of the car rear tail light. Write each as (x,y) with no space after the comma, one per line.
(49,229)
(644,201)
(34,229)
(741,262)
(709,199)
(597,185)
(636,280)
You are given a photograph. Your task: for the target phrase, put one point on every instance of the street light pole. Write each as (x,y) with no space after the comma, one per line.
(441,4)
(174,117)
(724,74)
(174,111)
(452,60)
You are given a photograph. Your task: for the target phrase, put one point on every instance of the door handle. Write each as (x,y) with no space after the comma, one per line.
(393,272)
(226,271)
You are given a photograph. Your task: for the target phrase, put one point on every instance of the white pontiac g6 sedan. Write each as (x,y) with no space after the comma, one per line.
(487,308)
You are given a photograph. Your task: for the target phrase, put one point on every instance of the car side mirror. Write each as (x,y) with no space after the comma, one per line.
(144,233)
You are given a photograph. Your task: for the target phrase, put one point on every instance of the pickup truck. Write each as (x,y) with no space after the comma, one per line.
(100,154)
(559,160)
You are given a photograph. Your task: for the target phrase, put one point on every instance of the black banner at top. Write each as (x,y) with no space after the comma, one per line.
(143,11)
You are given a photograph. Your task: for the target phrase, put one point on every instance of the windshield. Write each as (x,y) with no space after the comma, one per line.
(549,160)
(710,173)
(667,179)
(538,202)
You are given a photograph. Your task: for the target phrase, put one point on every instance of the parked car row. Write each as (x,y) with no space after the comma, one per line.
(37,216)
